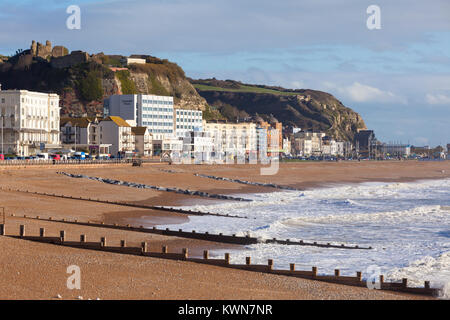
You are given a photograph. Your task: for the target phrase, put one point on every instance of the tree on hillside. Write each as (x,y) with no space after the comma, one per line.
(90,87)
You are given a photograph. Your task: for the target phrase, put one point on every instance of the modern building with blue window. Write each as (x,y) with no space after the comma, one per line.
(187,121)
(141,110)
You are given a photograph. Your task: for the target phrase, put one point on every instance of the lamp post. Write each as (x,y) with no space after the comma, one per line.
(75,138)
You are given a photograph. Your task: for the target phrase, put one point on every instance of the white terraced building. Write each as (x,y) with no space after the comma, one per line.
(29,122)
(140,110)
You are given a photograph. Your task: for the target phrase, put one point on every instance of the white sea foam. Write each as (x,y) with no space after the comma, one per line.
(407,224)
(436,270)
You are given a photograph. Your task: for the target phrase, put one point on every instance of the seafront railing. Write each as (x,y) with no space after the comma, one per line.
(312,274)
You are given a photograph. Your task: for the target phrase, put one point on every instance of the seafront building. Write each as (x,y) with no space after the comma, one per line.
(148,125)
(117,132)
(187,121)
(366,144)
(198,144)
(395,150)
(170,145)
(143,141)
(140,110)
(274,130)
(308,143)
(29,122)
(232,140)
(82,131)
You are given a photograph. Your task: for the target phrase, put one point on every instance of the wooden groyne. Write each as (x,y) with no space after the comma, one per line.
(221,238)
(127,204)
(157,188)
(259,184)
(312,274)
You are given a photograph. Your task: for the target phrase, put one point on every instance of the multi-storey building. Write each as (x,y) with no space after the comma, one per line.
(198,144)
(232,139)
(154,112)
(143,141)
(187,121)
(366,143)
(29,121)
(395,150)
(79,131)
(83,134)
(117,132)
(308,143)
(171,145)
(274,130)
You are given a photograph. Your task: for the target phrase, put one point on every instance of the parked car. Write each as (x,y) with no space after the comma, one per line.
(42,156)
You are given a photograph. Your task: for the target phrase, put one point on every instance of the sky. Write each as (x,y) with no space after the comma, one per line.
(397,77)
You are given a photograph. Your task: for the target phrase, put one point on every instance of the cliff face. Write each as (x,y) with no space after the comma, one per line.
(307,109)
(84,80)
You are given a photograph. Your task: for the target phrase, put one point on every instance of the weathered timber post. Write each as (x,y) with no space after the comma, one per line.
(227,258)
(359,275)
(405,282)
(143,247)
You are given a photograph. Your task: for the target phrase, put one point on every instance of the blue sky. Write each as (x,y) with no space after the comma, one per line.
(397,78)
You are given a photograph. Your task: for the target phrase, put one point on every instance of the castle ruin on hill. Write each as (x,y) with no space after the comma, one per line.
(59,55)
(44,51)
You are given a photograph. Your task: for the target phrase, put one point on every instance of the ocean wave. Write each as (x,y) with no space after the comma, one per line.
(377,190)
(403,222)
(430,212)
(435,270)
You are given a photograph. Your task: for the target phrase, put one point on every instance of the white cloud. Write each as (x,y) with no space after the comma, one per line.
(359,92)
(437,99)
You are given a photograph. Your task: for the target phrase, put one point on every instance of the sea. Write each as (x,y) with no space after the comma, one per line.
(407,225)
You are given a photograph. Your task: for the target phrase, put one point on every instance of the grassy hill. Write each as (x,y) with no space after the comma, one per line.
(304,108)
